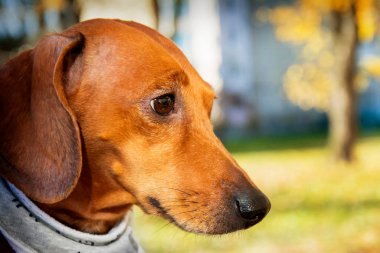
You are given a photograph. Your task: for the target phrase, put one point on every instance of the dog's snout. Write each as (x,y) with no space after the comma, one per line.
(252,209)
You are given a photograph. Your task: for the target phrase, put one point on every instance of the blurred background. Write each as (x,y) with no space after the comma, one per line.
(298,106)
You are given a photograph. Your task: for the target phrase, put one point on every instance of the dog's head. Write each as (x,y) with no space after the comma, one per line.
(129,104)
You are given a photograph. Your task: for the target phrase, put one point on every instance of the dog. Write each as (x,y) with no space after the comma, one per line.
(103,116)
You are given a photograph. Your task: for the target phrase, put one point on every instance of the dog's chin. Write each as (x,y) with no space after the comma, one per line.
(214,225)
(217,221)
(204,217)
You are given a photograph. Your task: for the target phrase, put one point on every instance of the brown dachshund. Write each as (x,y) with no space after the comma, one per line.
(109,114)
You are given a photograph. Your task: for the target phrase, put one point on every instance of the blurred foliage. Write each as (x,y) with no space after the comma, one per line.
(309,82)
(371,65)
(299,24)
(316,207)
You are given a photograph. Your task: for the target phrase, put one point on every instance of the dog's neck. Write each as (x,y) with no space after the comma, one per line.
(23,225)
(96,204)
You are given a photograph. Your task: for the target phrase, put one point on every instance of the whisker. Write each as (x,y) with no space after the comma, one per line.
(180,201)
(184,224)
(188,211)
(163,226)
(184,192)
(174,205)
(193,191)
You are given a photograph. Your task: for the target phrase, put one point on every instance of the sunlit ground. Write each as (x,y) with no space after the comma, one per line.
(316,207)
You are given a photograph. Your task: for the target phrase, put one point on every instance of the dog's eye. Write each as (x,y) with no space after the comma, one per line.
(163,105)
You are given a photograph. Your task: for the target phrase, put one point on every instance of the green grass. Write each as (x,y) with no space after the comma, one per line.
(316,206)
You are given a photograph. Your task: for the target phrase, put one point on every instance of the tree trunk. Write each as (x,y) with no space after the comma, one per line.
(343,100)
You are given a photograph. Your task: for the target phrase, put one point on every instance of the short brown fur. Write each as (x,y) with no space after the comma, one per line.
(79,137)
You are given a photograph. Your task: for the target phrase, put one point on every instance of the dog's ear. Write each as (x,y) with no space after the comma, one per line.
(40,147)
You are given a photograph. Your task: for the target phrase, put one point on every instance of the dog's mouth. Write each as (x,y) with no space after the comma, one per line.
(197,213)
(162,211)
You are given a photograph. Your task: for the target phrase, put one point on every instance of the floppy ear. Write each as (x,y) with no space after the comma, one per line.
(40,148)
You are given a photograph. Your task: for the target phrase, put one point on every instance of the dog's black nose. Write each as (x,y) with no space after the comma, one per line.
(253,209)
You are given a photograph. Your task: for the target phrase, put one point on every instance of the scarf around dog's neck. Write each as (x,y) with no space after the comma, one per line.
(30,230)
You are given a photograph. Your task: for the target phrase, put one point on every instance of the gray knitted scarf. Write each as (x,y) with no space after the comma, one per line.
(29,230)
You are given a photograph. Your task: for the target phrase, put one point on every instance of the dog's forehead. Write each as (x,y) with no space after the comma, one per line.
(124,45)
(131,50)
(136,56)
